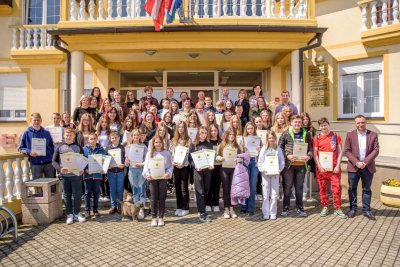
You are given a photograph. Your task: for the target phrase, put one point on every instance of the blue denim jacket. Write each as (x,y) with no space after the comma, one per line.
(87,150)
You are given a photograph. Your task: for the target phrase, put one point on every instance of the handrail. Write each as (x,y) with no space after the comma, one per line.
(8,229)
(12,156)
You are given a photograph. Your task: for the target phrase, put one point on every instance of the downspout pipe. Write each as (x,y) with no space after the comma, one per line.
(57,45)
(310,46)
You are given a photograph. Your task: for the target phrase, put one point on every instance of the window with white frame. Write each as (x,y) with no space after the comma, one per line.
(12,96)
(87,87)
(361,88)
(41,11)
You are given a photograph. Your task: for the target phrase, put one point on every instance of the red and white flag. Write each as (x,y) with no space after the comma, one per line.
(156,9)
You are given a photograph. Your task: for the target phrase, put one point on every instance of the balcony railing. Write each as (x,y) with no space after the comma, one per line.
(134,9)
(378,13)
(33,37)
(14,169)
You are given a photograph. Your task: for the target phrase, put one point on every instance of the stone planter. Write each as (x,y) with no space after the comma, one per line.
(390,195)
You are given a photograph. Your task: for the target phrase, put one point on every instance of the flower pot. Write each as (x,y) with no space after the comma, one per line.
(390,195)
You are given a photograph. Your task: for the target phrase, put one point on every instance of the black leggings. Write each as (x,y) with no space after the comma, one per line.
(227,176)
(202,180)
(181,179)
(213,194)
(158,189)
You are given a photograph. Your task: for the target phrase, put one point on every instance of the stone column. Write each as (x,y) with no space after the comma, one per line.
(295,94)
(77,78)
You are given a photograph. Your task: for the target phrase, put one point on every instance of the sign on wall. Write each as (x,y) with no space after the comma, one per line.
(318,85)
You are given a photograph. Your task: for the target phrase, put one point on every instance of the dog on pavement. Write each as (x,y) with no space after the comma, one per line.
(129,209)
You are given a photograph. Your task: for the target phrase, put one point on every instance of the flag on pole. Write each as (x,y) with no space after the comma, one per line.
(170,9)
(156,9)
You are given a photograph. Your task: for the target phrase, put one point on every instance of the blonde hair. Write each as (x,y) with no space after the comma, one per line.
(225,142)
(247,125)
(272,133)
(153,141)
(90,126)
(238,130)
(184,136)
(197,139)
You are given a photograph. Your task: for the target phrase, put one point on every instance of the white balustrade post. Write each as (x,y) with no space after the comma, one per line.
(137,8)
(2,180)
(196,9)
(119,9)
(25,170)
(28,38)
(225,8)
(273,8)
(18,178)
(48,44)
(364,19)
(14,38)
(291,9)
(43,39)
(216,8)
(395,8)
(243,8)
(253,8)
(283,9)
(129,9)
(263,7)
(101,10)
(21,38)
(384,13)
(109,9)
(91,10)
(206,9)
(10,180)
(235,7)
(374,16)
(35,38)
(82,15)
(72,10)
(300,11)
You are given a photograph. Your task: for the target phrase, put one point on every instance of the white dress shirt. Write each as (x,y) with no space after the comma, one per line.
(362,144)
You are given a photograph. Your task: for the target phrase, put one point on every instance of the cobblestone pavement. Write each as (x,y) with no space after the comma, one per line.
(292,241)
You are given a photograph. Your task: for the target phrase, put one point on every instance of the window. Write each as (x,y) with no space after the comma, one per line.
(42,11)
(12,96)
(361,88)
(87,87)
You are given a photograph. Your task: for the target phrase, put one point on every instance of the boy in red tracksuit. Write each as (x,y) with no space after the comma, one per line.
(328,171)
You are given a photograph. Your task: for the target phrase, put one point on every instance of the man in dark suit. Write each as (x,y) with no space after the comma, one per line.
(361,149)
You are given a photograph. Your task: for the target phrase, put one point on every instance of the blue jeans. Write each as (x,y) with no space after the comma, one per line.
(366,180)
(138,184)
(92,186)
(116,181)
(72,187)
(253,175)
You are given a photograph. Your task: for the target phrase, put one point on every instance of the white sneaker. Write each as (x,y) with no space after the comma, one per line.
(266,217)
(233,214)
(177,212)
(161,222)
(154,222)
(273,217)
(141,214)
(208,208)
(227,215)
(78,217)
(216,208)
(183,213)
(70,219)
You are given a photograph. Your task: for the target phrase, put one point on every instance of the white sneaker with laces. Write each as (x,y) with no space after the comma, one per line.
(78,217)
(70,219)
(227,215)
(183,213)
(154,222)
(233,214)
(178,211)
(161,222)
(208,208)
(141,214)
(216,208)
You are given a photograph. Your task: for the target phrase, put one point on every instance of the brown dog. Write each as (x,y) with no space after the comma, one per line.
(129,209)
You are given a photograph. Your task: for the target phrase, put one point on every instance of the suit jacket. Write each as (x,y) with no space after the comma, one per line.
(352,152)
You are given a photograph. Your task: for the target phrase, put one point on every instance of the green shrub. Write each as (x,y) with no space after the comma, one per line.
(392,182)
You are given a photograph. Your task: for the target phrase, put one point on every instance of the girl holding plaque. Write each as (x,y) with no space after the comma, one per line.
(181,147)
(158,185)
(126,131)
(228,143)
(202,178)
(213,194)
(271,162)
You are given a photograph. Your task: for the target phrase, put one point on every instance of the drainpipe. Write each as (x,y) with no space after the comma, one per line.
(57,45)
(318,37)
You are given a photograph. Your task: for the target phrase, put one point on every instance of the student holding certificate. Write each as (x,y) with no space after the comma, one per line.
(295,164)
(70,182)
(158,186)
(37,143)
(271,162)
(327,156)
(202,178)
(227,151)
(136,154)
(56,130)
(93,175)
(250,134)
(212,202)
(181,146)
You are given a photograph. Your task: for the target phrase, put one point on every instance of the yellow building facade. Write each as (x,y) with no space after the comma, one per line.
(337,58)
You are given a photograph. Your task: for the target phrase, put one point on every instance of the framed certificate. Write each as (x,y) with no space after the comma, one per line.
(135,154)
(218,118)
(300,149)
(252,142)
(38,145)
(326,160)
(157,168)
(192,132)
(263,135)
(272,164)
(116,157)
(56,134)
(95,163)
(68,160)
(210,154)
(200,159)
(180,154)
(229,154)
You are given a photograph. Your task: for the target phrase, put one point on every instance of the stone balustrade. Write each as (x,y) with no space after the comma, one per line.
(14,170)
(31,37)
(378,13)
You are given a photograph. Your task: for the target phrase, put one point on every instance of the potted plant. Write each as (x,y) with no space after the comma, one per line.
(390,193)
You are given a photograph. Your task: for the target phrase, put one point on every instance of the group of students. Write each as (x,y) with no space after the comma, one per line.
(101,125)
